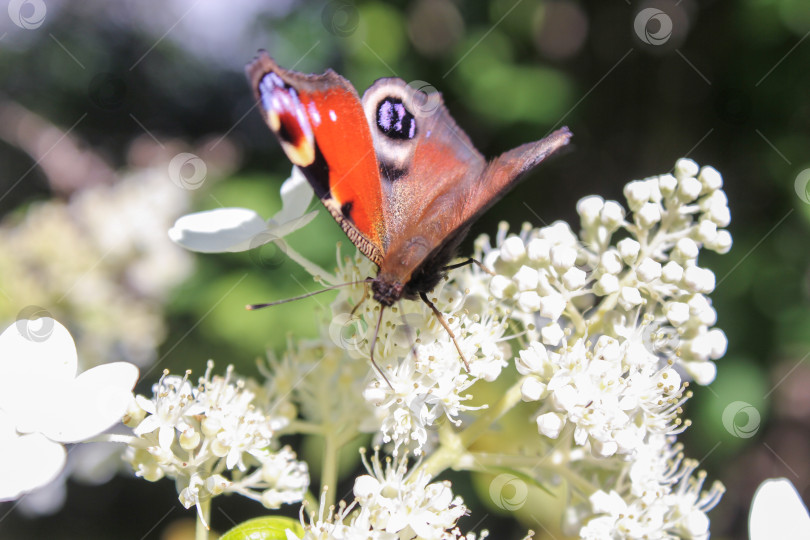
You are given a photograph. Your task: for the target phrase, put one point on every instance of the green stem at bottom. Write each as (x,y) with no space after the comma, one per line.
(329,472)
(203,518)
(453,446)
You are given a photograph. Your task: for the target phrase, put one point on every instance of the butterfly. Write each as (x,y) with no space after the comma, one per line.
(403,181)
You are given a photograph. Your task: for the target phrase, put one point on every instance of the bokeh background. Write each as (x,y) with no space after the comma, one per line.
(97,98)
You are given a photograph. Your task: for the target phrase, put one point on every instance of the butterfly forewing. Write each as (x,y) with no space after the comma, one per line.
(322,128)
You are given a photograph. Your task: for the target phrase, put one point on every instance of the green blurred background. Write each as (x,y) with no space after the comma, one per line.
(94,92)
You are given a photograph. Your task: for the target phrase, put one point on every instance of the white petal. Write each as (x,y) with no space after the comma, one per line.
(29,462)
(777,511)
(92,403)
(38,347)
(296,194)
(36,357)
(216,231)
(282,229)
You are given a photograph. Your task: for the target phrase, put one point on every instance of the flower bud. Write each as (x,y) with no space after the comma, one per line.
(628,250)
(685,167)
(648,270)
(513,249)
(710,178)
(612,215)
(589,209)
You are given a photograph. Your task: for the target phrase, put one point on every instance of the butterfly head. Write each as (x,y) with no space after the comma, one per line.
(386,292)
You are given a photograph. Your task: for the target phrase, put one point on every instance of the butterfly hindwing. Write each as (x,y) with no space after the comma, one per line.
(320,123)
(426,161)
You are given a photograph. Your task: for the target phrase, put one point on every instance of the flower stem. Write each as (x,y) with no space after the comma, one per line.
(453,446)
(305,263)
(203,518)
(329,470)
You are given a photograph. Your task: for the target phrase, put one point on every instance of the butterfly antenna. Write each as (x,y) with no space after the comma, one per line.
(443,322)
(373,344)
(254,307)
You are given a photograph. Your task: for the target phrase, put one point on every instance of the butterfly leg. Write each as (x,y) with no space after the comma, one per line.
(443,322)
(411,334)
(469,261)
(371,350)
(360,303)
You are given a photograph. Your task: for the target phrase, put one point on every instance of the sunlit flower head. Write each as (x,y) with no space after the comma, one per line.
(43,403)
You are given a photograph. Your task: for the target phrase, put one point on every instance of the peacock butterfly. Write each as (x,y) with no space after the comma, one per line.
(395,171)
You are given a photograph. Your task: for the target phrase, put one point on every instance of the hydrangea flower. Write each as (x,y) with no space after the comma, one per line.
(608,327)
(44,404)
(393,503)
(777,511)
(240,229)
(213,438)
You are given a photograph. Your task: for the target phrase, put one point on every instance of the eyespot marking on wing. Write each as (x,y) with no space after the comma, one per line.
(395,120)
(288,118)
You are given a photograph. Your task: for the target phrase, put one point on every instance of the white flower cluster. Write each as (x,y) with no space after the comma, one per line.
(425,378)
(608,327)
(101,262)
(393,503)
(615,329)
(198,435)
(659,498)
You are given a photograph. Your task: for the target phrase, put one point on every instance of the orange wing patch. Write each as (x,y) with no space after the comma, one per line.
(342,136)
(322,128)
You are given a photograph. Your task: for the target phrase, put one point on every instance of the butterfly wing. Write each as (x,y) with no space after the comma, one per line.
(434,182)
(424,160)
(320,123)
(504,171)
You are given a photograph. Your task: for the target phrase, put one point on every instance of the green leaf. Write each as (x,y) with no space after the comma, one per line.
(264,528)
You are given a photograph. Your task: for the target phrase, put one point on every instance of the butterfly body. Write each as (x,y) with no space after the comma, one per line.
(395,171)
